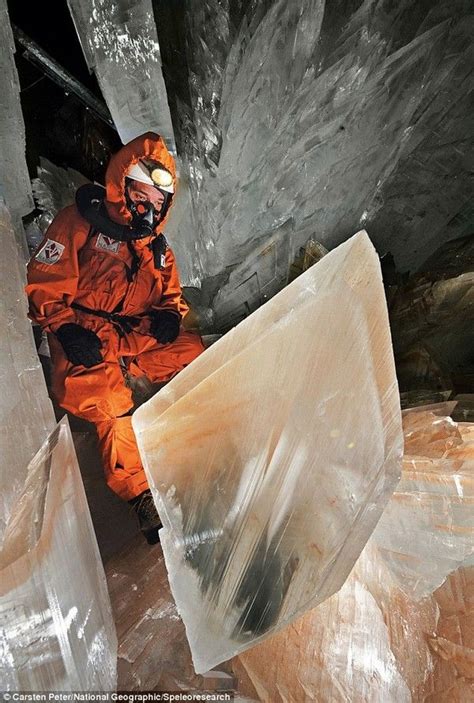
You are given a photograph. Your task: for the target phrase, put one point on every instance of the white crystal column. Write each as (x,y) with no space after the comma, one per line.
(55,616)
(120,44)
(15,185)
(272,455)
(26,414)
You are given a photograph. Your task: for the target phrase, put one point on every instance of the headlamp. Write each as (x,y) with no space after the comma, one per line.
(161,177)
(152,173)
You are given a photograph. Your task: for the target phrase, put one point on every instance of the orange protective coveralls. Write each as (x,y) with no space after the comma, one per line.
(76,264)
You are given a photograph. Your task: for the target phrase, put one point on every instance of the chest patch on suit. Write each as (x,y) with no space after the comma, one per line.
(107,243)
(50,252)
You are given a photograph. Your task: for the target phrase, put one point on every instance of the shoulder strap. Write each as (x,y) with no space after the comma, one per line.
(159,246)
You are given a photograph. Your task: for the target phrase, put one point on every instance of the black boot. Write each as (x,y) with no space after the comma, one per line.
(148,518)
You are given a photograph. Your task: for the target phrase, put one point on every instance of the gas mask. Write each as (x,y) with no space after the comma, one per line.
(144,216)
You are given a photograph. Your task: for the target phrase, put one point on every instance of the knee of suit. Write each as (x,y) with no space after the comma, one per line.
(93,395)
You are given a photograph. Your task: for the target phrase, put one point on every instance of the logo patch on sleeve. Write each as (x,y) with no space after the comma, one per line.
(107,243)
(50,252)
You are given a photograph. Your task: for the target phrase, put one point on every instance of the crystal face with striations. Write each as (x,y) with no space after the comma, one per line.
(15,184)
(427,529)
(55,616)
(321,117)
(26,413)
(413,583)
(272,456)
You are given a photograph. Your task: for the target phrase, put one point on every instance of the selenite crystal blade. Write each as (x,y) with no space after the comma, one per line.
(56,622)
(120,44)
(14,179)
(324,117)
(272,456)
(26,413)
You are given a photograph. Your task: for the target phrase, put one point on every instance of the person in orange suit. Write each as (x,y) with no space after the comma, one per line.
(105,286)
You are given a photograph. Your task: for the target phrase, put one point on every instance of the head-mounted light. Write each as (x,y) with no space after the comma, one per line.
(161,177)
(152,173)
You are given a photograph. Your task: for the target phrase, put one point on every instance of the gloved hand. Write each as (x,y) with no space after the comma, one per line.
(81,346)
(164,326)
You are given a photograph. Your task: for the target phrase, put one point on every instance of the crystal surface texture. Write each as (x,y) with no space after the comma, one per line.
(120,44)
(26,413)
(427,529)
(411,584)
(153,652)
(322,118)
(15,184)
(57,628)
(432,322)
(54,188)
(272,456)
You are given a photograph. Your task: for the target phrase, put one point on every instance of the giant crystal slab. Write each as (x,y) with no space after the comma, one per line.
(273,454)
(371,642)
(57,631)
(411,584)
(120,43)
(26,413)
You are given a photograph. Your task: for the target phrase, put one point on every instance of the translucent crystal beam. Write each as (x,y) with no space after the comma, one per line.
(120,44)
(15,184)
(26,413)
(56,621)
(319,118)
(272,456)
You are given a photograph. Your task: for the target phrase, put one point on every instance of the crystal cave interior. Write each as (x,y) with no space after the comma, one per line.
(314,468)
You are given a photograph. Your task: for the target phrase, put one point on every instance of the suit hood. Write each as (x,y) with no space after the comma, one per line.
(147,146)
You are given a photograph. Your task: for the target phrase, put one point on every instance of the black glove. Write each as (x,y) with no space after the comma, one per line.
(81,346)
(164,326)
